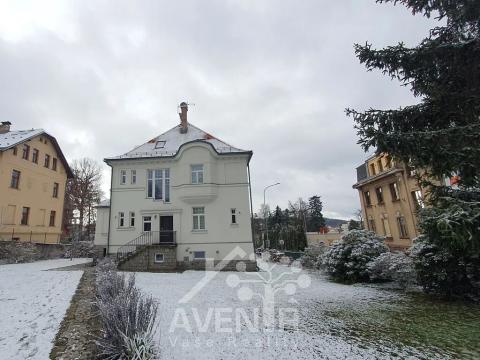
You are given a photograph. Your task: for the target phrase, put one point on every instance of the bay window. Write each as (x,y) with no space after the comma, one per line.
(158,184)
(197,174)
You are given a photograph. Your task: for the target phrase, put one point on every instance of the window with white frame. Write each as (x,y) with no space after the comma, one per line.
(147,223)
(121,219)
(123,177)
(199,255)
(199,218)
(133,177)
(158,184)
(234,216)
(197,174)
(132,219)
(159,258)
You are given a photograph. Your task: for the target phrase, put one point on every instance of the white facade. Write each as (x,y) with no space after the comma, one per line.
(201,186)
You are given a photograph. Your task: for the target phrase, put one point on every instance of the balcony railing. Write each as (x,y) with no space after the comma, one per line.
(164,237)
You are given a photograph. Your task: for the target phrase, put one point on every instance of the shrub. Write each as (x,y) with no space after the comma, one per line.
(18,252)
(127,315)
(312,257)
(392,266)
(346,260)
(444,271)
(140,347)
(80,249)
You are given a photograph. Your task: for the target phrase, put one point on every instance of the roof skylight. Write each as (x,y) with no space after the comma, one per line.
(160,144)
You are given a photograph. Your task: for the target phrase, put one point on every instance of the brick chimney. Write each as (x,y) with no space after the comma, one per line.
(5,127)
(183,117)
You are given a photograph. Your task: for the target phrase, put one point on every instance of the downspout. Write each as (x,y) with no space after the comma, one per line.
(109,211)
(251,205)
(409,199)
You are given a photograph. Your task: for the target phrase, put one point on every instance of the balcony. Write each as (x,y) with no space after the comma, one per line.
(363,177)
(197,193)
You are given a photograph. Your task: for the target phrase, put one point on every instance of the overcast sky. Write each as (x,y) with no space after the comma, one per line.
(270,76)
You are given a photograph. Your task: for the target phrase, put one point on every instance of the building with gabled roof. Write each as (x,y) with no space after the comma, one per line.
(33,176)
(180,200)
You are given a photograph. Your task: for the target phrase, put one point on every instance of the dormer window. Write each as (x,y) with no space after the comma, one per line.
(160,144)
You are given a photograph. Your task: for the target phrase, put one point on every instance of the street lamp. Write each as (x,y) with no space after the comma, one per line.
(266,216)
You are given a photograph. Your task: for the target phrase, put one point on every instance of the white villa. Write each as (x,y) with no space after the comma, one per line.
(181,200)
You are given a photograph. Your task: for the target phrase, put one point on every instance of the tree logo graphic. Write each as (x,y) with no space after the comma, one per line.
(266,284)
(287,281)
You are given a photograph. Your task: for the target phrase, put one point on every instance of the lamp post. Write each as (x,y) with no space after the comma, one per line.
(266,216)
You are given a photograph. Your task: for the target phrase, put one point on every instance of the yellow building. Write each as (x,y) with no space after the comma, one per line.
(33,175)
(390,196)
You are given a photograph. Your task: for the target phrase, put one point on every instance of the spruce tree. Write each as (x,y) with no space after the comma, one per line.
(315,216)
(441,133)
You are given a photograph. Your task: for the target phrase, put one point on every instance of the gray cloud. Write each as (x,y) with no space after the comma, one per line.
(271,76)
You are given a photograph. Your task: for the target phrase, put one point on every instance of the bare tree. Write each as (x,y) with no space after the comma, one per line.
(84,190)
(359,216)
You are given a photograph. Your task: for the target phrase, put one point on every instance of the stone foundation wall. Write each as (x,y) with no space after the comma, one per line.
(16,251)
(144,260)
(232,265)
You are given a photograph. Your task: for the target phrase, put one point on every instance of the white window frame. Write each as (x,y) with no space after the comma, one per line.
(146,221)
(198,214)
(123,177)
(199,258)
(121,219)
(132,217)
(233,216)
(163,177)
(197,173)
(133,177)
(155,259)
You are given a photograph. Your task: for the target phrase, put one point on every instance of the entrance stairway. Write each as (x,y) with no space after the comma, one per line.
(140,253)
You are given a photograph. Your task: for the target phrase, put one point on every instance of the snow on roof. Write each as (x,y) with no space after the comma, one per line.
(168,144)
(13,138)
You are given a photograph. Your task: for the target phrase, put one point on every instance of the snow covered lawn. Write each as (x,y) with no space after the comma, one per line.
(33,303)
(335,321)
(206,327)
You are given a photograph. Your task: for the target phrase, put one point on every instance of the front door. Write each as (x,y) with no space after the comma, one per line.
(166,230)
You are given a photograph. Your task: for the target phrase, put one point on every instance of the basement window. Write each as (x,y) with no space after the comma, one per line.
(199,255)
(159,258)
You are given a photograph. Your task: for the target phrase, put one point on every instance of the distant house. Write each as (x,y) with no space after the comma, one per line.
(390,196)
(179,200)
(33,175)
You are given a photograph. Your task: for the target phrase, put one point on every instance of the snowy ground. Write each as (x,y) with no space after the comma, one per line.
(334,321)
(33,303)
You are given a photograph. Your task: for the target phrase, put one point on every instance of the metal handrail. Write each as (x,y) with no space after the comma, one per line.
(164,237)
